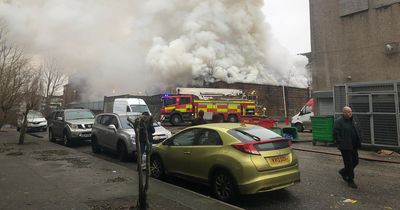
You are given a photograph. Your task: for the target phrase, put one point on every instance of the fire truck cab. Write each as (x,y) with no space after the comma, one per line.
(181,108)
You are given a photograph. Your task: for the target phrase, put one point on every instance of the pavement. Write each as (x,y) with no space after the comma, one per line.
(370,153)
(45,175)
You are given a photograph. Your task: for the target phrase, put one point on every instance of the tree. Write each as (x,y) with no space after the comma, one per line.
(32,97)
(14,68)
(53,81)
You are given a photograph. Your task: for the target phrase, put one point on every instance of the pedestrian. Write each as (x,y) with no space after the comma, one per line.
(348,139)
(200,119)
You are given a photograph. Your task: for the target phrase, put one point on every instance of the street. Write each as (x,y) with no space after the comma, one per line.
(321,187)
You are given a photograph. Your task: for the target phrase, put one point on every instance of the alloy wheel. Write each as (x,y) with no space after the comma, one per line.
(224,187)
(156,168)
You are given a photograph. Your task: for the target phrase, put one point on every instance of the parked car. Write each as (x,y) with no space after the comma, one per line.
(112,132)
(36,121)
(232,158)
(71,125)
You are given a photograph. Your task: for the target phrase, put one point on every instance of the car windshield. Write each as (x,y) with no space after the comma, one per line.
(35,115)
(139,108)
(78,114)
(253,133)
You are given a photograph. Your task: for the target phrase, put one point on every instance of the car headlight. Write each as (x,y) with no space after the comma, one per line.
(73,126)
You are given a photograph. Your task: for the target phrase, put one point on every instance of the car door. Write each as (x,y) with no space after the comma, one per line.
(111,134)
(103,131)
(58,124)
(204,153)
(179,151)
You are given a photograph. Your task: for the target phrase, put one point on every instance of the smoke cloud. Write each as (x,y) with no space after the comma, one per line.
(133,46)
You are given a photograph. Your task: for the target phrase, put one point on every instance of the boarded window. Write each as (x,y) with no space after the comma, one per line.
(347,7)
(383,3)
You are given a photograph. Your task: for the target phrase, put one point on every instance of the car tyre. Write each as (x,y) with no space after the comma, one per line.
(299,127)
(51,137)
(122,152)
(156,168)
(232,118)
(67,141)
(95,146)
(176,119)
(224,186)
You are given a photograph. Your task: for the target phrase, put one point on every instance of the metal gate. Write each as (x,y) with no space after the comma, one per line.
(376,108)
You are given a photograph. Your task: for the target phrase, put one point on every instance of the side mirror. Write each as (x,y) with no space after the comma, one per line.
(59,118)
(112,127)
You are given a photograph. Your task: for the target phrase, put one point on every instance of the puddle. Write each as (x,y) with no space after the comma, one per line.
(52,152)
(15,154)
(118,179)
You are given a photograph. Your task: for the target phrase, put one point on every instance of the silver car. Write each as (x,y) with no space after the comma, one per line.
(112,132)
(71,125)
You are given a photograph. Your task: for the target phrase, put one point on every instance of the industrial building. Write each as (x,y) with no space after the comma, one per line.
(356,61)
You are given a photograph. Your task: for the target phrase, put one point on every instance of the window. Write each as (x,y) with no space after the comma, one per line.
(208,137)
(348,7)
(185,100)
(253,133)
(78,114)
(114,121)
(106,120)
(139,108)
(169,101)
(185,138)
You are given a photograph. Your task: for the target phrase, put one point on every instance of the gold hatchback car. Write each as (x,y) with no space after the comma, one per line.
(232,158)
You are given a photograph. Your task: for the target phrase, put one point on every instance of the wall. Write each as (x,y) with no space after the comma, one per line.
(351,47)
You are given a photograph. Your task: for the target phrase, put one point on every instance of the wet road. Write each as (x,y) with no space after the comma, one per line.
(320,186)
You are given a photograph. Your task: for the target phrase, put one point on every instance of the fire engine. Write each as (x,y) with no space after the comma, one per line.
(185,107)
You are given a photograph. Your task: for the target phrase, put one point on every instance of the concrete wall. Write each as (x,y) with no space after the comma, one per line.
(351,48)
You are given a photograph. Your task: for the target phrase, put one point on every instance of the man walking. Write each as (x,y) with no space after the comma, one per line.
(348,139)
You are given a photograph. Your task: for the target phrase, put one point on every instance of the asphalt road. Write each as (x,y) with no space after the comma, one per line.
(321,187)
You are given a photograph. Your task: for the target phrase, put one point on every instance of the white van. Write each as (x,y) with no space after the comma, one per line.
(302,120)
(130,106)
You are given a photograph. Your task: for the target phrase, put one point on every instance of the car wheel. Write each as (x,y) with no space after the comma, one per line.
(176,119)
(51,137)
(232,118)
(95,146)
(156,168)
(122,153)
(67,140)
(224,186)
(299,127)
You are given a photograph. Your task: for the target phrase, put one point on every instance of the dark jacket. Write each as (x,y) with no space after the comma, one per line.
(347,134)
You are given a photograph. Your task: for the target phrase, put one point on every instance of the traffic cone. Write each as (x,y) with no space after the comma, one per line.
(286,121)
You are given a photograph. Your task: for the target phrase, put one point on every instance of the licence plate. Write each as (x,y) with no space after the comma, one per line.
(86,135)
(279,160)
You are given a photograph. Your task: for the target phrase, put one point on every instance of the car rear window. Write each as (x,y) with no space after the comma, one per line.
(253,133)
(272,145)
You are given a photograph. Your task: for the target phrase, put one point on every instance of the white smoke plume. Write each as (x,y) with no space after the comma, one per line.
(132,46)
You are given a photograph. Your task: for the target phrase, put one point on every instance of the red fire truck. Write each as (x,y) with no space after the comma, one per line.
(185,107)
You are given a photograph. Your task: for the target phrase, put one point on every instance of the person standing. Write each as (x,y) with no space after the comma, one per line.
(348,139)
(200,119)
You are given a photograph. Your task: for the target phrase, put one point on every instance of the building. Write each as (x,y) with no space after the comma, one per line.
(355,61)
(354,41)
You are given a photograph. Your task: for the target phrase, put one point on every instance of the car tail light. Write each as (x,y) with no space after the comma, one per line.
(246,148)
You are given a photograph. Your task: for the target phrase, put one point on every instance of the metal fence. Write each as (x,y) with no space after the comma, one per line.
(376,108)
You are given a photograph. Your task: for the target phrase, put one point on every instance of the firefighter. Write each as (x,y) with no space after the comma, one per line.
(200,119)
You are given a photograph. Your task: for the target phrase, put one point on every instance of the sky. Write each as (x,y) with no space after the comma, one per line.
(129,46)
(289,17)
